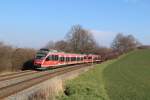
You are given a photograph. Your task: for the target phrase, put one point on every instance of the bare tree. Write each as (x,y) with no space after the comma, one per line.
(62,45)
(80,40)
(124,43)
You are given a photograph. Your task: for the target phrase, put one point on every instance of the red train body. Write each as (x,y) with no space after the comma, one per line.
(51,58)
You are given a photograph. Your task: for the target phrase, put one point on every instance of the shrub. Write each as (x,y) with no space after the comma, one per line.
(5,57)
(21,56)
(13,59)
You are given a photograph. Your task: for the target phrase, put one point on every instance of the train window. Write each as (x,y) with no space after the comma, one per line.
(62,59)
(53,57)
(39,57)
(71,58)
(74,58)
(81,58)
(48,58)
(78,59)
(67,58)
(85,57)
(56,57)
(89,57)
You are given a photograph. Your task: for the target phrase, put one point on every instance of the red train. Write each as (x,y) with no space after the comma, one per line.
(46,58)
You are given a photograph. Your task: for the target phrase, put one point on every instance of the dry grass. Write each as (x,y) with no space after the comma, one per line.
(14,59)
(48,90)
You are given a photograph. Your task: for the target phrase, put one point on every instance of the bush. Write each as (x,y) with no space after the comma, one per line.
(21,56)
(5,57)
(14,59)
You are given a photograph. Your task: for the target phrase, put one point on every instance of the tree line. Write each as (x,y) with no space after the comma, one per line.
(80,40)
(77,40)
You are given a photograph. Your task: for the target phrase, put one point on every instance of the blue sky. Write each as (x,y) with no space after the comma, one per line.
(32,23)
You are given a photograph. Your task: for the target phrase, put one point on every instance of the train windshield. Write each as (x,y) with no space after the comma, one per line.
(41,54)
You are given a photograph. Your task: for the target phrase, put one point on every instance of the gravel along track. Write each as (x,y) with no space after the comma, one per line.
(11,86)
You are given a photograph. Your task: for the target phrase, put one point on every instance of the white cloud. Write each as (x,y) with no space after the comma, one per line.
(104,38)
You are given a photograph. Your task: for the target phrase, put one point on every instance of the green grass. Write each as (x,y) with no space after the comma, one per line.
(127,78)
(88,86)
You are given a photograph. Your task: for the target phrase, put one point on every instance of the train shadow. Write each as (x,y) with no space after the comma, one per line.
(28,65)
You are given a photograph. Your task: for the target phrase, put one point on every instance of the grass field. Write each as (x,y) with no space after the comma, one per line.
(88,86)
(127,78)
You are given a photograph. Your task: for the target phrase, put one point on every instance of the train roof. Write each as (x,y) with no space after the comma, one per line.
(66,54)
(52,51)
(48,50)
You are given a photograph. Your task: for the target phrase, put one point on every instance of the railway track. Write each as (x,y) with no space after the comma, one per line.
(14,75)
(14,83)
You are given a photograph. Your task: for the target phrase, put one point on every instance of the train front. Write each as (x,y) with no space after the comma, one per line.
(40,58)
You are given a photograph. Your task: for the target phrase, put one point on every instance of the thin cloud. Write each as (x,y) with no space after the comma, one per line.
(104,38)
